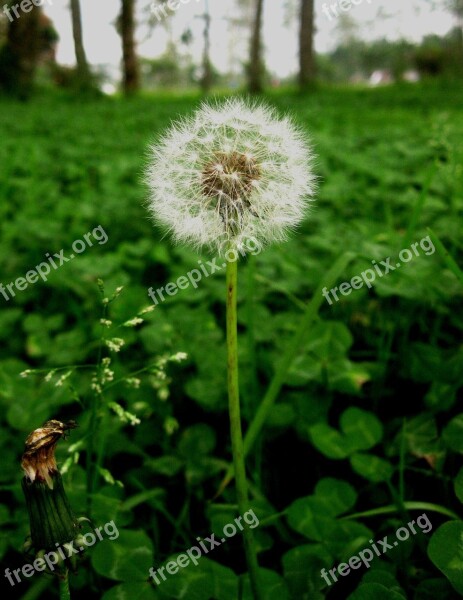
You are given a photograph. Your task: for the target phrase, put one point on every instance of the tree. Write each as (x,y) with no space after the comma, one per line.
(21,53)
(83,71)
(456,7)
(306,47)
(127,26)
(256,65)
(206,78)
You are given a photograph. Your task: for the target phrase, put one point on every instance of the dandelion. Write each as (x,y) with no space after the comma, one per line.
(52,521)
(229,173)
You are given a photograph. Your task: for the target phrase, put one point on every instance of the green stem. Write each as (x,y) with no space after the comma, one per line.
(410,505)
(273,391)
(235,426)
(291,352)
(450,262)
(97,402)
(64,591)
(37,589)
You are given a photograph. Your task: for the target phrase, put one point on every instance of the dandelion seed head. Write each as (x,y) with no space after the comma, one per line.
(230,172)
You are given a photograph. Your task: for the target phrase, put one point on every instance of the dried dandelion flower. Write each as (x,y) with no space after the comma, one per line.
(51,518)
(38,460)
(230,173)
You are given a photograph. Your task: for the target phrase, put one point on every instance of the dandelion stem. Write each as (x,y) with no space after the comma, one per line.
(235,426)
(273,391)
(64,591)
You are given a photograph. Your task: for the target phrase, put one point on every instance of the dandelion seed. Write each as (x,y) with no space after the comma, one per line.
(230,173)
(25,373)
(106,322)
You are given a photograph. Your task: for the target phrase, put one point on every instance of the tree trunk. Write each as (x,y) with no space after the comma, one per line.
(83,70)
(131,81)
(306,50)
(206,79)
(20,55)
(256,67)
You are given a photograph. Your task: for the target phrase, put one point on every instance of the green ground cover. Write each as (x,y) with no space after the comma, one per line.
(369,413)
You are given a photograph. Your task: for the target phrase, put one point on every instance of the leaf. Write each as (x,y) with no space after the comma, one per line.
(329,339)
(420,436)
(315,517)
(453,433)
(128,558)
(445,549)
(273,586)
(166,465)
(362,428)
(302,566)
(131,591)
(371,467)
(347,538)
(339,496)
(311,517)
(208,579)
(374,591)
(430,589)
(329,441)
(458,485)
(198,440)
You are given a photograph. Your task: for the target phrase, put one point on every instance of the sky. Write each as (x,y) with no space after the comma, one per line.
(411,19)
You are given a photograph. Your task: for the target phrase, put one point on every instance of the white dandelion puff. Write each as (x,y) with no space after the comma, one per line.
(229,173)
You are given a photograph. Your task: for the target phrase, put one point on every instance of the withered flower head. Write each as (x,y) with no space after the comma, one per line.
(38,460)
(51,518)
